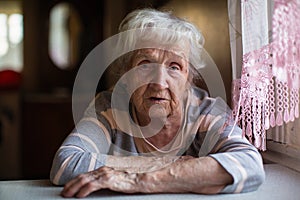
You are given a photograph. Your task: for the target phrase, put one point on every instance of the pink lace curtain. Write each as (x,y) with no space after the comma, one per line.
(267,93)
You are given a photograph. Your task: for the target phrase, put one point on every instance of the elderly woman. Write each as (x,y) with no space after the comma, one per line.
(157,132)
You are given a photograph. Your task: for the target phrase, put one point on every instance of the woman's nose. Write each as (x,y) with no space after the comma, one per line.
(159,78)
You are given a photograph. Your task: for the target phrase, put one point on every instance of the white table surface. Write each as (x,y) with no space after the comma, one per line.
(281,184)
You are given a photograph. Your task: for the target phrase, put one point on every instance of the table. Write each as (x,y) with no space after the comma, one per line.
(281,184)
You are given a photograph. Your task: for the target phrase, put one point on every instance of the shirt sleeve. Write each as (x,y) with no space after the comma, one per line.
(85,148)
(225,143)
(240,159)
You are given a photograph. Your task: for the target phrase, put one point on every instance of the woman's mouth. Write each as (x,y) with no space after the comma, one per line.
(157,99)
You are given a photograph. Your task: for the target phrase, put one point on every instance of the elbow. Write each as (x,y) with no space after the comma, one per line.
(59,179)
(252,180)
(258,176)
(54,177)
(60,172)
(258,179)
(255,174)
(262,176)
(53,181)
(255,180)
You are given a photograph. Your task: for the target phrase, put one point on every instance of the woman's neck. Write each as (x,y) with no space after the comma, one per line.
(167,133)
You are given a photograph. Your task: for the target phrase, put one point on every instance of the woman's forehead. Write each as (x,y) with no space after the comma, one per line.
(170,52)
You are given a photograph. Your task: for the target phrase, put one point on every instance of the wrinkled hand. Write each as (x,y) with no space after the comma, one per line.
(102,178)
(187,174)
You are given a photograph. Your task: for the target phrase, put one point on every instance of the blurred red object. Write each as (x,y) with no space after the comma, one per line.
(9,79)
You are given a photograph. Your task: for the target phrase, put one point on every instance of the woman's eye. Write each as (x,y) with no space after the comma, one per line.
(145,65)
(143,62)
(175,66)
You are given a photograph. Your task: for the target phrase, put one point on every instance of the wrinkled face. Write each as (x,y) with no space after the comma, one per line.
(166,75)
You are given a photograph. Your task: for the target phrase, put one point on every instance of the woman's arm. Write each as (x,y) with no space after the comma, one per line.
(84,164)
(199,175)
(87,149)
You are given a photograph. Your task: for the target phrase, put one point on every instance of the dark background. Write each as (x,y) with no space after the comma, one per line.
(44,115)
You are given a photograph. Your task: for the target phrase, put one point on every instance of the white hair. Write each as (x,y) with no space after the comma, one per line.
(150,18)
(164,28)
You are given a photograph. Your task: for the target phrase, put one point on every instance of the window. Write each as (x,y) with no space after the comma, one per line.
(15,24)
(11,36)
(64,33)
(274,98)
(3,35)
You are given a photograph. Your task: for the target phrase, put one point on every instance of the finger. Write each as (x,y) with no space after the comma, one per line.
(74,186)
(101,177)
(88,188)
(71,182)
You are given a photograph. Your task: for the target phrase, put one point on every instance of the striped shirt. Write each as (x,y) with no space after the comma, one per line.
(206,130)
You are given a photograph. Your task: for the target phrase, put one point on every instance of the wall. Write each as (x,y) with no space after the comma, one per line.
(10,112)
(10,167)
(41,77)
(211,17)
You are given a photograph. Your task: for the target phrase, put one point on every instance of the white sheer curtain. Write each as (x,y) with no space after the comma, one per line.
(265,61)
